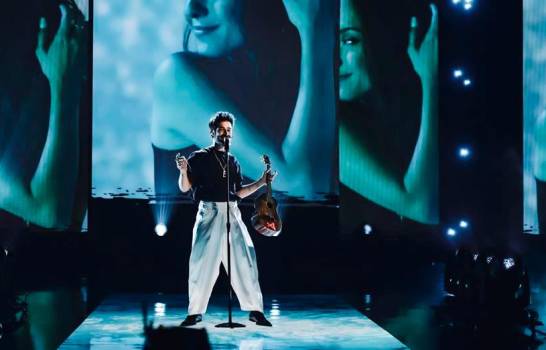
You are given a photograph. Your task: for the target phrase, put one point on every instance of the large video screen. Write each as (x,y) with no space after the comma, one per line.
(388,115)
(163,68)
(534,116)
(44,116)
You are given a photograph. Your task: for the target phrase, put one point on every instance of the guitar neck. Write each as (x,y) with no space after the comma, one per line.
(268,185)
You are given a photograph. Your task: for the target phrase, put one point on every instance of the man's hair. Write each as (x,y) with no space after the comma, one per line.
(219,117)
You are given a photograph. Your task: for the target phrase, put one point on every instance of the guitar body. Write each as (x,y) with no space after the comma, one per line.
(266,219)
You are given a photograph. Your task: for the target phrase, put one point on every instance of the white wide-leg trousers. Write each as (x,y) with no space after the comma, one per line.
(209,249)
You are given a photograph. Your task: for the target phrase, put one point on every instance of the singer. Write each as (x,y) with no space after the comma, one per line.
(204,172)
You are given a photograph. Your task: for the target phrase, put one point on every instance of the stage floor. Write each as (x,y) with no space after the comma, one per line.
(299,322)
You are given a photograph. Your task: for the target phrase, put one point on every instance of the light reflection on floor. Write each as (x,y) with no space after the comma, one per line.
(299,322)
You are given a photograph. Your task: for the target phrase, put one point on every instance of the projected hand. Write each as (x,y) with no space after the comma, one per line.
(307,15)
(181,163)
(425,58)
(62,62)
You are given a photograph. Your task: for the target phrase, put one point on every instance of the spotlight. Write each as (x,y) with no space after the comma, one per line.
(275,311)
(367,229)
(455,2)
(464,152)
(463,224)
(160,230)
(451,232)
(159,309)
(508,263)
(467,82)
(457,73)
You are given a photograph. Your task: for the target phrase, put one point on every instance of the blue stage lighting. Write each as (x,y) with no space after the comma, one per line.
(367,229)
(451,232)
(464,152)
(467,82)
(160,230)
(463,224)
(455,2)
(457,73)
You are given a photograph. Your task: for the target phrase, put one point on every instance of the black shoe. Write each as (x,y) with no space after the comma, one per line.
(191,320)
(259,318)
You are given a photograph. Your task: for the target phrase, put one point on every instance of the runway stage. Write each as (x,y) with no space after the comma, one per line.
(299,322)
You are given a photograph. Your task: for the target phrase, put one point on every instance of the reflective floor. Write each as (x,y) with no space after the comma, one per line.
(299,322)
(412,310)
(52,316)
(399,310)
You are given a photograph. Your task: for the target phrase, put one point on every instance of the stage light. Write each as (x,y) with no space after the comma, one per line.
(457,73)
(508,263)
(467,82)
(275,311)
(455,2)
(160,230)
(489,259)
(159,309)
(463,224)
(367,229)
(464,152)
(451,232)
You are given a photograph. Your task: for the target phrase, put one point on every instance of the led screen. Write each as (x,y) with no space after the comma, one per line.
(163,68)
(388,115)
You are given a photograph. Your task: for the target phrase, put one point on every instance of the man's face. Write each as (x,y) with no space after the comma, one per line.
(223,131)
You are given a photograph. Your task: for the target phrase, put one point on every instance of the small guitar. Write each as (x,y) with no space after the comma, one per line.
(266,219)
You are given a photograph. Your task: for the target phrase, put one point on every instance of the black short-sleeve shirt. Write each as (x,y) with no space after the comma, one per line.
(205,172)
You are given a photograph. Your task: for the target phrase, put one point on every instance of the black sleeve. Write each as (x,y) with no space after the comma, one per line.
(194,168)
(165,171)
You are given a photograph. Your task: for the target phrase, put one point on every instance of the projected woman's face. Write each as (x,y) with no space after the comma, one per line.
(215,26)
(354,80)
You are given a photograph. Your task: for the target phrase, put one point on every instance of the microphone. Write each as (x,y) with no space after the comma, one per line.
(227,141)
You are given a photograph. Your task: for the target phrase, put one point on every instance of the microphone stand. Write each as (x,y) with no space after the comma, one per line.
(229,323)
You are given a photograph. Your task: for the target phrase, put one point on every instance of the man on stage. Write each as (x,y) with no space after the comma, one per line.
(205,173)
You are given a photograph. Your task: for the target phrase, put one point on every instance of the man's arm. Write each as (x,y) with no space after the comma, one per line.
(184,183)
(249,189)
